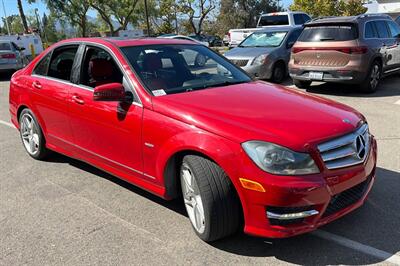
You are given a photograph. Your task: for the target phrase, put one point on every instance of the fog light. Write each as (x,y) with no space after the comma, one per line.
(290,216)
(252,185)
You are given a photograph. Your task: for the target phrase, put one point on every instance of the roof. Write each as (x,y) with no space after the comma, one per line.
(279,28)
(130,42)
(351,19)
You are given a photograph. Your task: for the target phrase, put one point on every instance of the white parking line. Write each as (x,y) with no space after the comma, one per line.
(6,124)
(377,253)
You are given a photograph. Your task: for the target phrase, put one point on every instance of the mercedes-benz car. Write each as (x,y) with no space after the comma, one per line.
(241,154)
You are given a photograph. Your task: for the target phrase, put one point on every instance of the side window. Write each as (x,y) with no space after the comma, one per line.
(306,18)
(42,67)
(370,31)
(99,68)
(298,19)
(382,29)
(61,62)
(394,29)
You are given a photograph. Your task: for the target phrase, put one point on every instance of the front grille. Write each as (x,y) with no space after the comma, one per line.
(350,149)
(240,62)
(347,198)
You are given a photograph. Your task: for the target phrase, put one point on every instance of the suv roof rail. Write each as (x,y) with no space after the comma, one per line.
(318,18)
(373,15)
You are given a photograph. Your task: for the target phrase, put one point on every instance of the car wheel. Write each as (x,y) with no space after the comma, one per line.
(371,83)
(32,136)
(278,72)
(200,60)
(302,84)
(210,199)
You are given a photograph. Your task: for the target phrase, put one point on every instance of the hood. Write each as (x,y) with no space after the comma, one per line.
(249,52)
(261,111)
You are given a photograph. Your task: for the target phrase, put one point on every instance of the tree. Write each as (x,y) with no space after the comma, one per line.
(167,12)
(320,8)
(72,10)
(15,23)
(22,15)
(197,10)
(121,10)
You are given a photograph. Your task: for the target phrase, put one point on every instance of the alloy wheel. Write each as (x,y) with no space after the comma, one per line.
(30,134)
(375,75)
(192,199)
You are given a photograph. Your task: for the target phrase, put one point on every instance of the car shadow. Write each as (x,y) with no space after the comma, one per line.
(5,75)
(375,224)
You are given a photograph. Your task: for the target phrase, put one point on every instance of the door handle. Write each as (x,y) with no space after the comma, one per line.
(36,84)
(78,99)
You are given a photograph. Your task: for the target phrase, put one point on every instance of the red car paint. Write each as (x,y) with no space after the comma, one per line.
(212,122)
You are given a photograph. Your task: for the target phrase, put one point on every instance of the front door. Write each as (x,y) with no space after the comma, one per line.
(107,133)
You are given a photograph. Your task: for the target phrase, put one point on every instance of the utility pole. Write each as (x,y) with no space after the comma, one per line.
(147,18)
(5,15)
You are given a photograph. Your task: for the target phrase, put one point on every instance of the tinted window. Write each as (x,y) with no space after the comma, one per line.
(169,69)
(394,29)
(5,46)
(294,36)
(274,20)
(61,62)
(41,68)
(370,31)
(298,19)
(382,29)
(306,18)
(329,33)
(99,68)
(398,20)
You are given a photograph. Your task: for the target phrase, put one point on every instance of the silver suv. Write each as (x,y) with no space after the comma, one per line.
(356,50)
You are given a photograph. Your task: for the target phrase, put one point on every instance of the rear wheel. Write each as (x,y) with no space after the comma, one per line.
(278,72)
(371,83)
(302,84)
(210,198)
(32,136)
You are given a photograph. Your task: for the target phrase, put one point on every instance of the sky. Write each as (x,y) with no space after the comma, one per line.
(11,7)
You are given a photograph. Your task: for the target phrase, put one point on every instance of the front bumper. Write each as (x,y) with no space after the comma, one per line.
(322,197)
(263,71)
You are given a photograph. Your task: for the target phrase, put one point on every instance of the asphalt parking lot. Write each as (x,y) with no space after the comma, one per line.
(63,211)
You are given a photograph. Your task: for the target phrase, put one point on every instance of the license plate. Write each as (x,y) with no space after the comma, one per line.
(316,75)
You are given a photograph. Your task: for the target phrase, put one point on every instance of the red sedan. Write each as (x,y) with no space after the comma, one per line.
(282,161)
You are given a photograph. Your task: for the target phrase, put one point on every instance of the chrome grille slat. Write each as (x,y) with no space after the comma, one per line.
(348,150)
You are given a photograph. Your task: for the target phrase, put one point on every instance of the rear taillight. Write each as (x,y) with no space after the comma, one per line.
(8,56)
(229,36)
(346,50)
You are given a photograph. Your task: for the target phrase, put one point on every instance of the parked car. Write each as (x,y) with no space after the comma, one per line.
(284,19)
(398,20)
(26,41)
(354,50)
(213,41)
(265,53)
(183,37)
(11,56)
(282,161)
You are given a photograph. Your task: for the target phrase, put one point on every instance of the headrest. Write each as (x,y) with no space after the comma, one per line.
(100,68)
(65,65)
(152,62)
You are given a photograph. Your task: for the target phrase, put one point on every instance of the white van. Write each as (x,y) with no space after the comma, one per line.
(24,41)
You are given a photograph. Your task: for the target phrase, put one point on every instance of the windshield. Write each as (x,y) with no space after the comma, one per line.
(273,20)
(264,39)
(5,46)
(329,33)
(169,69)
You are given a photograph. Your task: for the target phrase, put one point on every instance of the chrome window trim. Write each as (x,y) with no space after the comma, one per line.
(137,101)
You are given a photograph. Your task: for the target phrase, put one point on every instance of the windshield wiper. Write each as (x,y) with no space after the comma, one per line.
(214,85)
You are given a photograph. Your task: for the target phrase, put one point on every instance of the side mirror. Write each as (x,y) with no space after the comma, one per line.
(111,92)
(289,45)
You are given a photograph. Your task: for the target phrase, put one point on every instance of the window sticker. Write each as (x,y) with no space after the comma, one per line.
(159,92)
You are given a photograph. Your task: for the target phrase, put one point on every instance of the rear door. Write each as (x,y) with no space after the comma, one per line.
(388,45)
(50,84)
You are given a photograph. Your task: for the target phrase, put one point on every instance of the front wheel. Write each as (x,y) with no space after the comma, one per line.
(278,72)
(302,84)
(210,199)
(371,83)
(32,135)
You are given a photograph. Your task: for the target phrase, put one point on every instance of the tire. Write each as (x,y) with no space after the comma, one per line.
(32,136)
(210,199)
(302,84)
(278,73)
(371,83)
(200,60)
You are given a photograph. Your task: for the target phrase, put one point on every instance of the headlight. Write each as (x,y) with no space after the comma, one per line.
(278,160)
(259,60)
